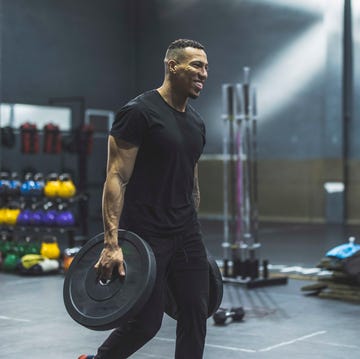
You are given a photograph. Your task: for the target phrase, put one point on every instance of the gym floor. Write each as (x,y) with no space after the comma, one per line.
(280,321)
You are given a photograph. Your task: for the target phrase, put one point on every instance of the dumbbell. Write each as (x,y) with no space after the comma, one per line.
(236,314)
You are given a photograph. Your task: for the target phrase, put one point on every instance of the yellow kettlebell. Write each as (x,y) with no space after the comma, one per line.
(52,186)
(11,215)
(50,248)
(67,187)
(3,212)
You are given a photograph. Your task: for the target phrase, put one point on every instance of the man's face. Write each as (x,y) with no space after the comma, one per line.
(191,72)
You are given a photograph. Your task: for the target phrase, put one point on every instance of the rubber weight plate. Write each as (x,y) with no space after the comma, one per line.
(101,306)
(215,292)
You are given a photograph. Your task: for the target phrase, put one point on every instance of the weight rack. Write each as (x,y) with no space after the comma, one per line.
(241,245)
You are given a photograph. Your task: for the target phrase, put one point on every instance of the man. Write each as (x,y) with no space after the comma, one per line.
(153,149)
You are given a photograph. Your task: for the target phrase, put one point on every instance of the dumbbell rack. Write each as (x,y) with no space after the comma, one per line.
(241,246)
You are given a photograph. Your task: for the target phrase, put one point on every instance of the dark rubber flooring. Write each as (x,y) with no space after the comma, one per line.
(280,321)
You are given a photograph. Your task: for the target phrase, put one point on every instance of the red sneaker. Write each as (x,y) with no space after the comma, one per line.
(84,356)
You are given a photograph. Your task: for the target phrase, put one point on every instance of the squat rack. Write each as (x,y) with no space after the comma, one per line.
(241,246)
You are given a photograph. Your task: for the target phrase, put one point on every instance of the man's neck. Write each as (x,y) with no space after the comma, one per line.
(172,98)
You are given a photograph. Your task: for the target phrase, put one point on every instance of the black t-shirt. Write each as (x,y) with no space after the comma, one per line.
(158,197)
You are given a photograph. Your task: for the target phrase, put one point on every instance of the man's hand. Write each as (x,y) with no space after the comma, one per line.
(109,258)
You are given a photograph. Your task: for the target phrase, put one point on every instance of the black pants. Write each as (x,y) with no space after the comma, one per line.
(182,260)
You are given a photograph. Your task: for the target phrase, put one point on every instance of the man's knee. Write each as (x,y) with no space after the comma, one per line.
(146,330)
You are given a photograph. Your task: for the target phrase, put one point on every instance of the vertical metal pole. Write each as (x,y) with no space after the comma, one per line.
(227,114)
(347,100)
(241,247)
(255,214)
(247,159)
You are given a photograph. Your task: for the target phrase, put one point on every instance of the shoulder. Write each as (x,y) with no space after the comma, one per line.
(140,105)
(195,115)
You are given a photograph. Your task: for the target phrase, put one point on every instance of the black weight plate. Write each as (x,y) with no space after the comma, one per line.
(102,307)
(215,291)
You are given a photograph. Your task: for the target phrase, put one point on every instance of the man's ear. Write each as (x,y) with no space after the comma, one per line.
(172,66)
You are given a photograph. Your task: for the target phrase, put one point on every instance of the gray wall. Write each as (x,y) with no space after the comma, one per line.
(67,48)
(110,51)
(259,34)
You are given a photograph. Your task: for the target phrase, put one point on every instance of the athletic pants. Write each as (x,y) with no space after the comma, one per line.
(182,261)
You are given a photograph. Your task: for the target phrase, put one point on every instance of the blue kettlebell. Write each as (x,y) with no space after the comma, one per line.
(39,184)
(28,188)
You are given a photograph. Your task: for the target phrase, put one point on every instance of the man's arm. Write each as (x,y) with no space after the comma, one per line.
(196,190)
(120,165)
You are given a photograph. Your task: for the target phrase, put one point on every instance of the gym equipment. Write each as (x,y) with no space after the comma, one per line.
(67,188)
(35,217)
(8,138)
(10,216)
(29,138)
(52,185)
(29,187)
(39,184)
(23,218)
(236,314)
(69,254)
(65,218)
(49,218)
(52,139)
(49,247)
(241,245)
(10,262)
(102,305)
(344,250)
(215,291)
(37,265)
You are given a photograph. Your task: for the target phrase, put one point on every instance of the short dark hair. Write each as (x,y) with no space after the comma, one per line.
(175,48)
(182,43)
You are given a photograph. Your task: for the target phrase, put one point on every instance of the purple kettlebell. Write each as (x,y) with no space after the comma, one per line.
(65,219)
(23,218)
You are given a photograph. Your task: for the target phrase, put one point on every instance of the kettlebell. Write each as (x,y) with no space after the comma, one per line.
(28,187)
(49,218)
(65,218)
(11,215)
(2,215)
(67,187)
(49,247)
(35,217)
(10,262)
(23,218)
(52,186)
(39,184)
(32,247)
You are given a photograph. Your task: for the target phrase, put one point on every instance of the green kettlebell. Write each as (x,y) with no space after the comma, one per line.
(10,262)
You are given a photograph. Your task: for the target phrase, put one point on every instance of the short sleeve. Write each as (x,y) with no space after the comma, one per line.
(129,125)
(203,133)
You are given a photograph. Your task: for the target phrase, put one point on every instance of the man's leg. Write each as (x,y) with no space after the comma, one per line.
(190,283)
(130,337)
